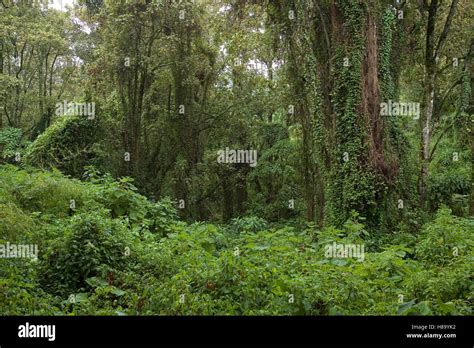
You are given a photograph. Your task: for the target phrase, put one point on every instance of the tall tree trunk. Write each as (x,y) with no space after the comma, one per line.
(471,198)
(433,50)
(470,111)
(1,72)
(228,207)
(428,99)
(426,135)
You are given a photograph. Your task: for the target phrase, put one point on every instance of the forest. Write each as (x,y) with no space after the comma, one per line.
(236,157)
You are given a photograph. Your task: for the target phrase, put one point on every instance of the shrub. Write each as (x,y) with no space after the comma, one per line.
(15,225)
(445,238)
(68,145)
(120,254)
(10,142)
(248,224)
(91,243)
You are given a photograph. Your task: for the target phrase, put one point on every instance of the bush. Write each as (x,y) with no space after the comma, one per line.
(445,239)
(14,224)
(248,224)
(91,245)
(68,145)
(10,142)
(120,254)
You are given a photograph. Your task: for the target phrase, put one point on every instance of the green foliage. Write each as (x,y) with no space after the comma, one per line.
(248,224)
(20,293)
(121,198)
(450,182)
(331,170)
(14,223)
(35,191)
(10,142)
(445,239)
(90,245)
(68,145)
(97,262)
(162,216)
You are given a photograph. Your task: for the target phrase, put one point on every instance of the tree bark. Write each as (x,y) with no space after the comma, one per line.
(432,53)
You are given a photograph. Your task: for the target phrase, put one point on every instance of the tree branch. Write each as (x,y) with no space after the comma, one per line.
(447,27)
(439,138)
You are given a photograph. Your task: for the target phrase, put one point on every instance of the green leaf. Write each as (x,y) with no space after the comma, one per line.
(81,297)
(405,307)
(117,291)
(96,282)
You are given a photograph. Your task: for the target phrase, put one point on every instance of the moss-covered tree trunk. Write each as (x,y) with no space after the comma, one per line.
(339,76)
(364,166)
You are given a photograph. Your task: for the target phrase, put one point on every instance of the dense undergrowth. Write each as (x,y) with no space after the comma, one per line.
(106,250)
